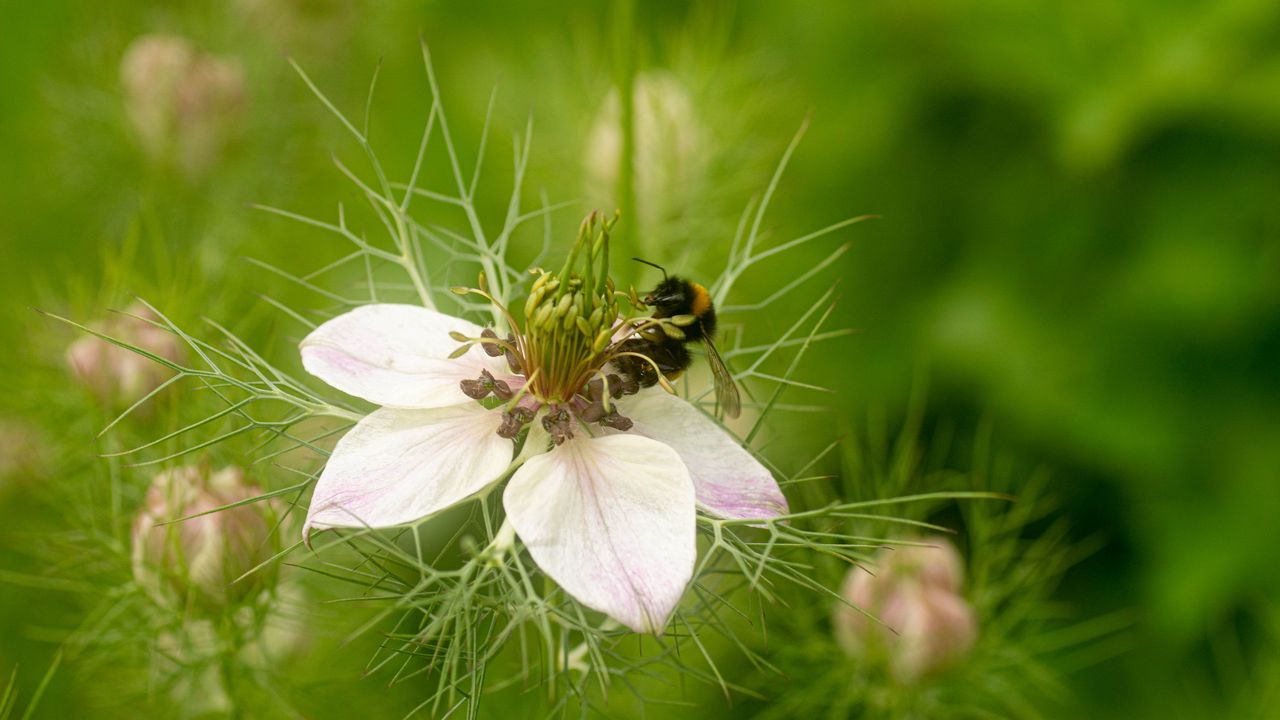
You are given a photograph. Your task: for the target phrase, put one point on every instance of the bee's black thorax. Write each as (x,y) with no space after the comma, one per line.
(673,296)
(659,350)
(677,296)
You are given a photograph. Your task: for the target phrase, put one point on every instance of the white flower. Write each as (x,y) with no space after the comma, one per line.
(924,625)
(609,515)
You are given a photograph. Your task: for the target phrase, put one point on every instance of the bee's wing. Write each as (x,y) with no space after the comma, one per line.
(726,389)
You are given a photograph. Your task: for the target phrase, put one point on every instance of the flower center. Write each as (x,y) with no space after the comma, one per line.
(564,346)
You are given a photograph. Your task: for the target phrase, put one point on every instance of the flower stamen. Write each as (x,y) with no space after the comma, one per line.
(567,343)
(486,385)
(514,420)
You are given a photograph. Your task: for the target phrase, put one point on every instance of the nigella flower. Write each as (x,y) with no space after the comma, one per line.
(604,489)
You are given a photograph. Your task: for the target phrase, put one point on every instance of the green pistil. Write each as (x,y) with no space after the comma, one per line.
(569,316)
(564,343)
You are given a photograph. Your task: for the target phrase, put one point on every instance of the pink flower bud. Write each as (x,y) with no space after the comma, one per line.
(200,557)
(924,625)
(114,373)
(184,105)
(937,564)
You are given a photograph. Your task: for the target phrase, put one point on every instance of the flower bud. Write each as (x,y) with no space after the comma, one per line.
(671,153)
(200,558)
(936,563)
(115,373)
(184,106)
(925,625)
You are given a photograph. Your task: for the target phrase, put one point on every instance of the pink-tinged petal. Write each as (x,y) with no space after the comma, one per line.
(612,520)
(396,466)
(397,356)
(730,483)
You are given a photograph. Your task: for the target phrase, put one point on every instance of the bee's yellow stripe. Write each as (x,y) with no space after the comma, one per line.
(701,299)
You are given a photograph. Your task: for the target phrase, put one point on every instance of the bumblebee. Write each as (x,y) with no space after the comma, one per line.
(674,297)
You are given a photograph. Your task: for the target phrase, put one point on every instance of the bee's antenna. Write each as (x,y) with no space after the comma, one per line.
(652,264)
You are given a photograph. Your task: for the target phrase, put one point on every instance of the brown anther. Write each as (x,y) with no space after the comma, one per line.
(513,421)
(492,349)
(616,421)
(481,387)
(592,412)
(474,389)
(558,424)
(615,385)
(513,360)
(501,390)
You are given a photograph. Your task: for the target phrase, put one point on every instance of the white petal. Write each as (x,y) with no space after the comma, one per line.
(612,520)
(397,356)
(730,483)
(397,466)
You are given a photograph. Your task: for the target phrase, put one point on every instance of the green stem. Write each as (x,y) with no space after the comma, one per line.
(625,28)
(227,667)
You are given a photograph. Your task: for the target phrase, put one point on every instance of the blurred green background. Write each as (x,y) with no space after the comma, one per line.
(1080,243)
